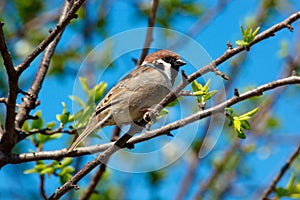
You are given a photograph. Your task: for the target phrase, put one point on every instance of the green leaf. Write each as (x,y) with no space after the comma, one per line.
(66,170)
(30,171)
(198,93)
(241,118)
(48,170)
(242,43)
(281,192)
(51,125)
(25,126)
(250,113)
(64,118)
(242,30)
(237,126)
(37,123)
(55,136)
(162,113)
(40,167)
(210,94)
(241,135)
(206,86)
(42,138)
(291,182)
(63,179)
(77,100)
(66,162)
(99,90)
(196,86)
(255,32)
(84,84)
(245,124)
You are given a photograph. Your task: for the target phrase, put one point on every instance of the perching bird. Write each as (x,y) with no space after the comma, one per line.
(136,93)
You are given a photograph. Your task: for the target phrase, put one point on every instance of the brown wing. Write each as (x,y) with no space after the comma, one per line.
(128,83)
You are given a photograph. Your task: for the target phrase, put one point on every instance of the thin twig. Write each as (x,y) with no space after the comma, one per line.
(226,55)
(91,188)
(151,22)
(29,101)
(45,131)
(102,158)
(218,170)
(59,27)
(99,173)
(3,100)
(284,168)
(58,154)
(42,186)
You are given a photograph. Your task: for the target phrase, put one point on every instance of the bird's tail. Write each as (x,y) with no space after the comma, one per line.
(89,129)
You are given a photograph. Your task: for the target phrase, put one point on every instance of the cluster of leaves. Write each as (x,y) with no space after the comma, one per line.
(38,124)
(93,96)
(240,122)
(292,189)
(61,169)
(202,93)
(248,36)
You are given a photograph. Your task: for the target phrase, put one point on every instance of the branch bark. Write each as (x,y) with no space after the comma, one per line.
(8,136)
(284,168)
(151,22)
(59,28)
(226,55)
(29,101)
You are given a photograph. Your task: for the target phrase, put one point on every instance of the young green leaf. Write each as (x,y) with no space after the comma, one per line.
(196,86)
(84,84)
(37,123)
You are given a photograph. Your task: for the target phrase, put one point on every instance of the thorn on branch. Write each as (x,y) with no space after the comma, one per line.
(33,117)
(76,187)
(229,45)
(184,76)
(236,92)
(169,134)
(75,16)
(288,26)
(219,73)
(134,60)
(25,93)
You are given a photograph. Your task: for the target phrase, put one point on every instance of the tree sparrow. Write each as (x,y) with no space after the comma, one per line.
(136,93)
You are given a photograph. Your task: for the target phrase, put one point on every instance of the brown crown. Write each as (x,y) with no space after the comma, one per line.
(161,54)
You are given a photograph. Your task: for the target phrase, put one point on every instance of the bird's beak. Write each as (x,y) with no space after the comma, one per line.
(179,62)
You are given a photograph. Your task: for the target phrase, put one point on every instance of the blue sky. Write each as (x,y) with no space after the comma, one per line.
(263,65)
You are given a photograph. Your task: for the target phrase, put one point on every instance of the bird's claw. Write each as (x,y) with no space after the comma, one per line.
(150,117)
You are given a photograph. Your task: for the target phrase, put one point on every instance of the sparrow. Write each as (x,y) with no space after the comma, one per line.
(136,93)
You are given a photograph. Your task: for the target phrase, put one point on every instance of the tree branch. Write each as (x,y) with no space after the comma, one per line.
(226,55)
(151,22)
(8,136)
(59,28)
(29,101)
(284,168)
(99,173)
(102,158)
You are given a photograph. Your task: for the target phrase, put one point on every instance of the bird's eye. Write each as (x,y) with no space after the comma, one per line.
(169,59)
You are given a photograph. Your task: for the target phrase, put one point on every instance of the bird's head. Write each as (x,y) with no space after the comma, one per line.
(166,61)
